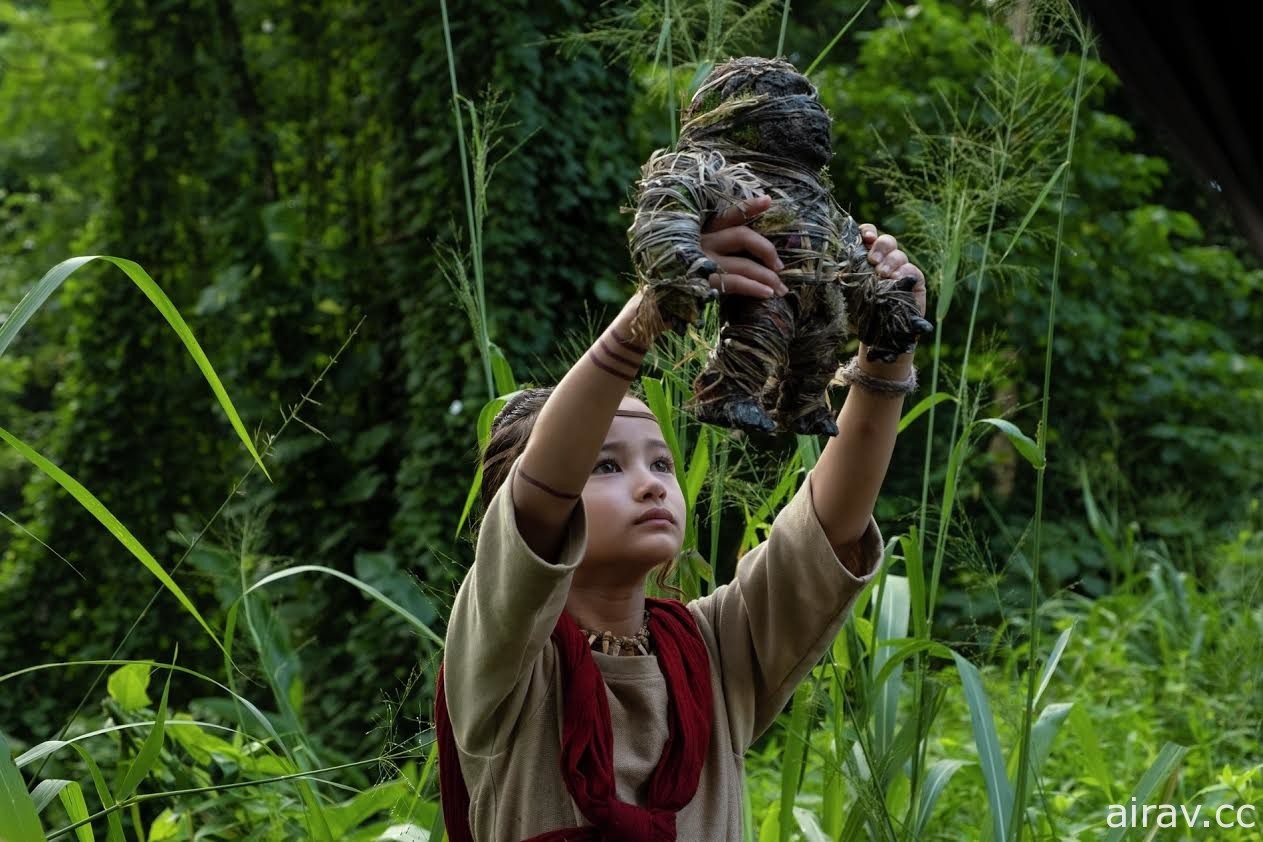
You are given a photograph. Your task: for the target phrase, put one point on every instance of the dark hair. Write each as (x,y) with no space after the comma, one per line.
(510,430)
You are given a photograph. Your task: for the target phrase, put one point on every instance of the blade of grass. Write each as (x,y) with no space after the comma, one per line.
(107,519)
(338,574)
(149,751)
(914,567)
(58,274)
(45,792)
(113,821)
(987,742)
(892,623)
(1054,658)
(936,780)
(1019,804)
(76,810)
(780,51)
(926,403)
(820,56)
(19,820)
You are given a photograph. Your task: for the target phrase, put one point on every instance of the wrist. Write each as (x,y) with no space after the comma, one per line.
(897,370)
(888,380)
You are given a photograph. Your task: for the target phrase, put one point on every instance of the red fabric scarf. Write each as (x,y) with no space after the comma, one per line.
(587,737)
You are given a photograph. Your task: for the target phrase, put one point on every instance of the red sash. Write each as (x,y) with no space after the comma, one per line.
(587,738)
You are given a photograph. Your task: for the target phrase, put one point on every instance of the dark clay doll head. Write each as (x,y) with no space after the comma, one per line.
(764,105)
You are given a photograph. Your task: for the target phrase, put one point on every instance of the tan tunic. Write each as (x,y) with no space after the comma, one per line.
(764,631)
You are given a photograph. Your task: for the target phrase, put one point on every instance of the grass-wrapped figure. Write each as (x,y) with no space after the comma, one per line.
(756,127)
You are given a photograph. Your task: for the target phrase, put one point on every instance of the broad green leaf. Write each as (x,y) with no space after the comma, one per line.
(914,566)
(935,782)
(698,466)
(148,754)
(19,820)
(891,624)
(352,813)
(501,371)
(987,742)
(107,519)
(45,792)
(770,830)
(1025,446)
(809,825)
(129,685)
(808,451)
(54,278)
(76,810)
(903,650)
(168,825)
(317,821)
(658,398)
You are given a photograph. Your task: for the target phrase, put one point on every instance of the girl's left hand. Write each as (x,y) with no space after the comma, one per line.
(891,262)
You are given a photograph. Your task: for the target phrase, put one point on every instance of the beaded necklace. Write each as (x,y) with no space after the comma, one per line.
(609,643)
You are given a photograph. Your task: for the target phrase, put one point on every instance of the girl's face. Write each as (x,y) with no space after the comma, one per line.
(633,503)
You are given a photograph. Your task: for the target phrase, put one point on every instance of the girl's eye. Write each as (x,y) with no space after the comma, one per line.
(604,462)
(668,463)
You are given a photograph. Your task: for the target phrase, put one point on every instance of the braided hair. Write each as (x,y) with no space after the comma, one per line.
(510,430)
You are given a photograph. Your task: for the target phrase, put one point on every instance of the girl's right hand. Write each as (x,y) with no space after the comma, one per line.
(731,243)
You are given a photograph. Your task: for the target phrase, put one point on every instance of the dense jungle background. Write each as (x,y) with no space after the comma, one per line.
(369,260)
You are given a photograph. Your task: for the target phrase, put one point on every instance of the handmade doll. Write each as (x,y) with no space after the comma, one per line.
(756,127)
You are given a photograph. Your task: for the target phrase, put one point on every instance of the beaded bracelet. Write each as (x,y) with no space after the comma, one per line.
(852,375)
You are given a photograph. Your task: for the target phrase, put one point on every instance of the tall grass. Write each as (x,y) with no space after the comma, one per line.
(292,753)
(893,726)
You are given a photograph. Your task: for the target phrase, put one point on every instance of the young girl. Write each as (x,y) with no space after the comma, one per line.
(572,707)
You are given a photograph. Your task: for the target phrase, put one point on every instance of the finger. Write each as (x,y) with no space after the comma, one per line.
(891,263)
(868,232)
(732,284)
(742,239)
(752,269)
(881,247)
(739,213)
(911,270)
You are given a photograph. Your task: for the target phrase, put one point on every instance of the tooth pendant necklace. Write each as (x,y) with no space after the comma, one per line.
(609,643)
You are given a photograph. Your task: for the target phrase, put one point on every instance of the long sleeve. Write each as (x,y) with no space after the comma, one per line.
(788,601)
(503,616)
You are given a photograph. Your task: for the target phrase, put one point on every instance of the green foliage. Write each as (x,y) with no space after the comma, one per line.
(289,172)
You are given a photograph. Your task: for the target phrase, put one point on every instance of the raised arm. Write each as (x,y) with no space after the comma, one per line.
(853,464)
(569,432)
(530,543)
